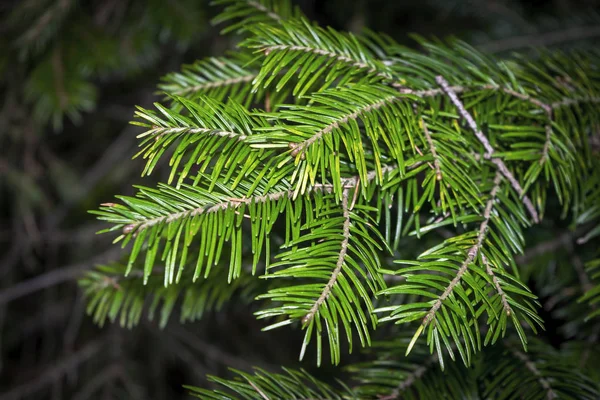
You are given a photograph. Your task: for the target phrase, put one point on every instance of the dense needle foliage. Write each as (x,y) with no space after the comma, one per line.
(427,206)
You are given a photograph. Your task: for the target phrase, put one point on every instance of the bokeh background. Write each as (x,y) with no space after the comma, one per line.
(71,72)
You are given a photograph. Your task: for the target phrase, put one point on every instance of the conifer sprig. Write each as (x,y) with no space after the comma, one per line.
(360,146)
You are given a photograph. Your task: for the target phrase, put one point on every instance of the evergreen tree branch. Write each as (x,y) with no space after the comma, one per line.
(236,202)
(344,59)
(297,47)
(488,147)
(471,254)
(338,265)
(221,78)
(414,377)
(360,119)
(227,203)
(111,296)
(303,146)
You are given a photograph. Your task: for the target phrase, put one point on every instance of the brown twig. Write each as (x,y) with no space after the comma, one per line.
(436,162)
(488,147)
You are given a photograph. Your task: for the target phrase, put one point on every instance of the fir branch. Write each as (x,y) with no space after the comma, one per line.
(349,61)
(471,254)
(501,293)
(488,147)
(547,108)
(231,202)
(339,264)
(297,47)
(236,202)
(530,365)
(292,384)
(221,78)
(303,146)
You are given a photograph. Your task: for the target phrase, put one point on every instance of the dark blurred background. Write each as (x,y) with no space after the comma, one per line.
(71,72)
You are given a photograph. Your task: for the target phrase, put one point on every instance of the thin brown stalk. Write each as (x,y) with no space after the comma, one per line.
(488,147)
(558,242)
(490,272)
(436,162)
